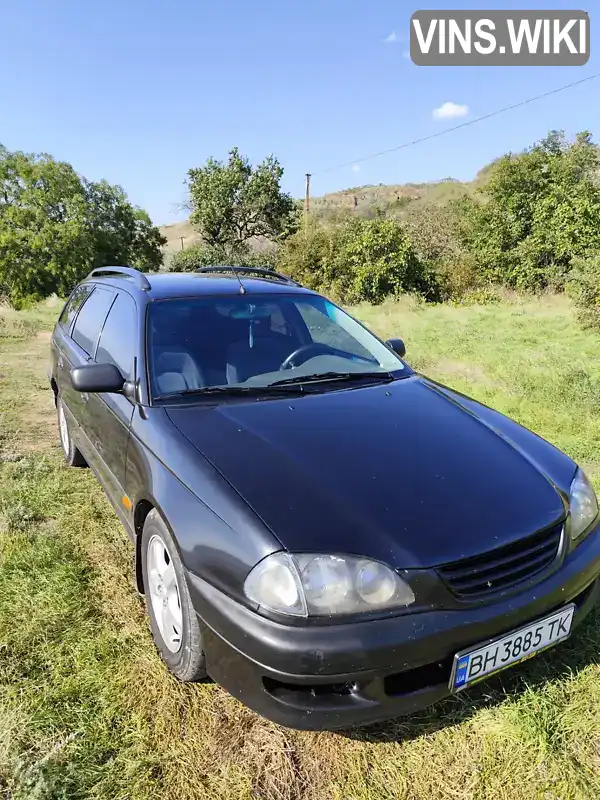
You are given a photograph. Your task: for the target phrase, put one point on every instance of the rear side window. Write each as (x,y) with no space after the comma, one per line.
(77,299)
(118,338)
(91,319)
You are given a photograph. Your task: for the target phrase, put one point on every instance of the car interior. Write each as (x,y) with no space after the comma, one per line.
(199,347)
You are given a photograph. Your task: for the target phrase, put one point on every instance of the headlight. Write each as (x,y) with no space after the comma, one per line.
(584,505)
(322,585)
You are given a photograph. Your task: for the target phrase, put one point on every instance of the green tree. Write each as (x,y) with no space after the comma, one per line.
(146,244)
(42,225)
(232,203)
(540,209)
(55,227)
(120,233)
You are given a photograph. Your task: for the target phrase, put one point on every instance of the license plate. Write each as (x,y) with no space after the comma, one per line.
(470,666)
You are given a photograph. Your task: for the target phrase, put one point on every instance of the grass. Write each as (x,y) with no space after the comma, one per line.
(88,711)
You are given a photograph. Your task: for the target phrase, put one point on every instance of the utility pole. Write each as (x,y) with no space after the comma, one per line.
(307,201)
(181,239)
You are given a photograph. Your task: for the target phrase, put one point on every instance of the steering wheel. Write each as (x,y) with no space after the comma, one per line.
(302,354)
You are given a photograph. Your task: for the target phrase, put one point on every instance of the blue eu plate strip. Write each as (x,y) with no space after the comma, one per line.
(462,667)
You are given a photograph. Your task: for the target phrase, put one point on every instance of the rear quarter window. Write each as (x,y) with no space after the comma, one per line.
(77,299)
(91,318)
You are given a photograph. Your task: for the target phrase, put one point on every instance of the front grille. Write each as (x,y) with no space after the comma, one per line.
(503,568)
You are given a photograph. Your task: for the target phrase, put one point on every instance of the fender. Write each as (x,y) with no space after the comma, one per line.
(218,536)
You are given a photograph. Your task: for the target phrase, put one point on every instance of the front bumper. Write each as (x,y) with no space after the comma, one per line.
(328,677)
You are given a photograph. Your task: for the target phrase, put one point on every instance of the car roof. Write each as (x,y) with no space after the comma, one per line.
(164,285)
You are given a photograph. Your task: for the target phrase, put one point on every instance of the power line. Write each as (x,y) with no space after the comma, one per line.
(457,127)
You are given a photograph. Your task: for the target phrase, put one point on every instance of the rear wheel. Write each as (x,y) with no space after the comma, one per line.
(173,621)
(72,455)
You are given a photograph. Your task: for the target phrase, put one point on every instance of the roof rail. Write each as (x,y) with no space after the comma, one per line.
(139,277)
(262,271)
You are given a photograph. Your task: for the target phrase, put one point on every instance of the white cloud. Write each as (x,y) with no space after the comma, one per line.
(393,37)
(355,167)
(450,111)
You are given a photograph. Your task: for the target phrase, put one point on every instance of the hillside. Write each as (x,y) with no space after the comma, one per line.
(364,200)
(388,195)
(174,234)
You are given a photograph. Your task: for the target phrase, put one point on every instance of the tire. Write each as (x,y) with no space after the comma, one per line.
(173,621)
(72,455)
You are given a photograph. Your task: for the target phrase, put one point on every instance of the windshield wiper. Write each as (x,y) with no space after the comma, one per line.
(328,377)
(231,391)
(291,385)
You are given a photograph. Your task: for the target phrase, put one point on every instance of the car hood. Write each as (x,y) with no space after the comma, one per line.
(405,472)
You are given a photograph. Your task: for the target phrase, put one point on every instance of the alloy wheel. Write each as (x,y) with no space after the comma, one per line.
(64,429)
(164,593)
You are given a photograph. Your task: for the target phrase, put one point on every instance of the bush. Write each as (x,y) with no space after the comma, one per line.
(202,255)
(479,296)
(363,260)
(257,258)
(375,259)
(307,256)
(583,286)
(540,209)
(432,230)
(194,256)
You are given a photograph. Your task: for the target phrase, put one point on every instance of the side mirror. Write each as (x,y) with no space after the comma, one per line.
(397,346)
(97,378)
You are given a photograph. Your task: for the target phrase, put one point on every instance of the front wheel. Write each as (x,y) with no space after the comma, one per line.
(173,621)
(72,455)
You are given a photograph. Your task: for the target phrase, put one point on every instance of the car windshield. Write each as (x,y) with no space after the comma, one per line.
(253,343)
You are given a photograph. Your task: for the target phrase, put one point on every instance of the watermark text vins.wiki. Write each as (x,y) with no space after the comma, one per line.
(497,38)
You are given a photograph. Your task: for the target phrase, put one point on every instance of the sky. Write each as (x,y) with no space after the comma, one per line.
(139,91)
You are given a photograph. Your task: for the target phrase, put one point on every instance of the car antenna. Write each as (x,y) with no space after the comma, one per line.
(242,287)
